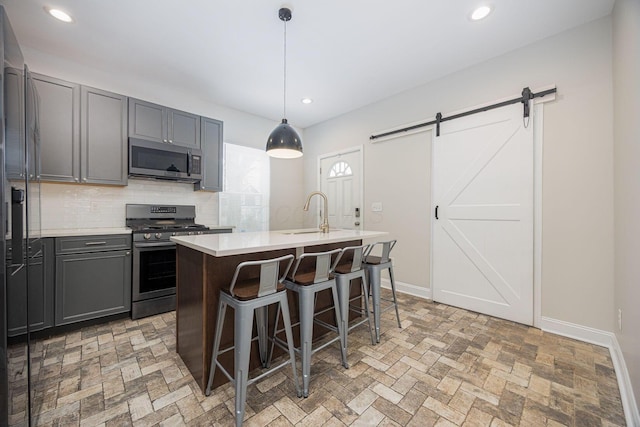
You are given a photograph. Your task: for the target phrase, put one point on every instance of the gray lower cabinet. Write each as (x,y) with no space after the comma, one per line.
(158,123)
(93,277)
(83,133)
(41,305)
(103,142)
(211,139)
(59,116)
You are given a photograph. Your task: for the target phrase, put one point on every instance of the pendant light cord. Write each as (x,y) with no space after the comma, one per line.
(284,99)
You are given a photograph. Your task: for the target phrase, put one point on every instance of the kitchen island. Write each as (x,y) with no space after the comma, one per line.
(206,264)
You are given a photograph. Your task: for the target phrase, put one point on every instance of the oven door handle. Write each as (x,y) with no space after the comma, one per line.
(154,245)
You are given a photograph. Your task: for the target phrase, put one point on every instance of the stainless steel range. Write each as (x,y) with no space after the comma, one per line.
(154,255)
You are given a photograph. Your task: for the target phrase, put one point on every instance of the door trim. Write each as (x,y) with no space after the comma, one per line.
(355,149)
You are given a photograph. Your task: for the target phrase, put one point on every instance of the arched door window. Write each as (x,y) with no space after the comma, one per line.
(339,169)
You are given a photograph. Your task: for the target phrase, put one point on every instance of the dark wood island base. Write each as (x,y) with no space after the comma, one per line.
(200,276)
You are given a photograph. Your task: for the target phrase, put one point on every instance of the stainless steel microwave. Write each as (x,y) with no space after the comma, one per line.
(150,159)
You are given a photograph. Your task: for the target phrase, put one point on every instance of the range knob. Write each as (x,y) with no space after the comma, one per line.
(158,235)
(190,233)
(146,236)
(173,234)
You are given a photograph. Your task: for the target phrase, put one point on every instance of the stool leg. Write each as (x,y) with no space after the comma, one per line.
(365,291)
(340,323)
(262,322)
(374,282)
(222,309)
(393,291)
(306,303)
(343,284)
(286,319)
(242,339)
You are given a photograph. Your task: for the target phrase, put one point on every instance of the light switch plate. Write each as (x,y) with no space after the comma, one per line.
(376,207)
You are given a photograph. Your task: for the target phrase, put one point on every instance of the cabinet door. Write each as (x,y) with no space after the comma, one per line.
(184,128)
(14,122)
(211,131)
(59,129)
(147,121)
(92,285)
(104,137)
(41,271)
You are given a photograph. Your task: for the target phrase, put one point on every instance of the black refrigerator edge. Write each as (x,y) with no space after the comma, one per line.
(20,221)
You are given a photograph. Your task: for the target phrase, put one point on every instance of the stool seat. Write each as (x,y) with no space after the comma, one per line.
(305,279)
(248,289)
(374,260)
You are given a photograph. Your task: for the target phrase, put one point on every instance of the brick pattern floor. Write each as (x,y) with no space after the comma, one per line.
(445,367)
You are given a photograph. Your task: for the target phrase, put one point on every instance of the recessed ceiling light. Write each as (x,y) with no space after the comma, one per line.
(307,100)
(480,13)
(59,14)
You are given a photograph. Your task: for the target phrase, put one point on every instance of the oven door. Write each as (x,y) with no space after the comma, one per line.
(154,270)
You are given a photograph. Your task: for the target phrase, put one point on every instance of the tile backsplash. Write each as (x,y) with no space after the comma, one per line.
(91,206)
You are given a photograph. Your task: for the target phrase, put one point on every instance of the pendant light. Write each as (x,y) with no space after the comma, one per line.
(284,142)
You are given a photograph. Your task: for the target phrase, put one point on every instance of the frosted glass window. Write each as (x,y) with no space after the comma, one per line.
(340,168)
(244,203)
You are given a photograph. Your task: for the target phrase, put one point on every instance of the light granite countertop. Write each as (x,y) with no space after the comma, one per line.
(243,243)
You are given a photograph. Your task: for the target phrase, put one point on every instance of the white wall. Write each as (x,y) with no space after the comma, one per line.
(626,91)
(239,128)
(577,253)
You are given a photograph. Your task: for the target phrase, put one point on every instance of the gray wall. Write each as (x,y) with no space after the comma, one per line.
(577,248)
(626,91)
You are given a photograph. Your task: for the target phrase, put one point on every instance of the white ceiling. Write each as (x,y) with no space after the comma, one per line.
(343,54)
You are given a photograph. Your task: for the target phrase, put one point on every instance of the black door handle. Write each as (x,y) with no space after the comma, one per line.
(436,211)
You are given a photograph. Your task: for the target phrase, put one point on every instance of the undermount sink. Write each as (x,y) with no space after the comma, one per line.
(307,231)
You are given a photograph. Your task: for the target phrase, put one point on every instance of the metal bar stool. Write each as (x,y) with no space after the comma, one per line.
(307,285)
(374,266)
(345,273)
(245,297)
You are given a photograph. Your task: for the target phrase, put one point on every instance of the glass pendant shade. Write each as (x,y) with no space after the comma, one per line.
(284,142)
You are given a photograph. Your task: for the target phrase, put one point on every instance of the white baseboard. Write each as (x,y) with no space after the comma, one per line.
(407,288)
(624,382)
(608,340)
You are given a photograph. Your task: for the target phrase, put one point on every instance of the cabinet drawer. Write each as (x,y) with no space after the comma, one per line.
(99,243)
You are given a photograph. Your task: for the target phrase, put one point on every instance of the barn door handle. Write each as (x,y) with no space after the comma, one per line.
(436,211)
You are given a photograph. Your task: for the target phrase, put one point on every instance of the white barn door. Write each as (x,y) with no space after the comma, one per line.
(482,240)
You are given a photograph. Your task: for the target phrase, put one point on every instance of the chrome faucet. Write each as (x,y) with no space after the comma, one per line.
(324,227)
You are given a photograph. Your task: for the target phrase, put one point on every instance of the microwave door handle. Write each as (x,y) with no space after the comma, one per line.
(189,162)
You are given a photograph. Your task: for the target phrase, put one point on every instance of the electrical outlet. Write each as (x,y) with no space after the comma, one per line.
(620,319)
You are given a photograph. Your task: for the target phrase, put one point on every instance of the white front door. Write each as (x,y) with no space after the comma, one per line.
(340,180)
(482,188)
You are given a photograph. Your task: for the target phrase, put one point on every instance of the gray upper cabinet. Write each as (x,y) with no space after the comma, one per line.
(162,124)
(59,129)
(83,133)
(211,134)
(104,137)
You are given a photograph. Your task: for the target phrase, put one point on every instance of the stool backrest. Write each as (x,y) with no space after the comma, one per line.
(386,250)
(358,256)
(269,269)
(323,264)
